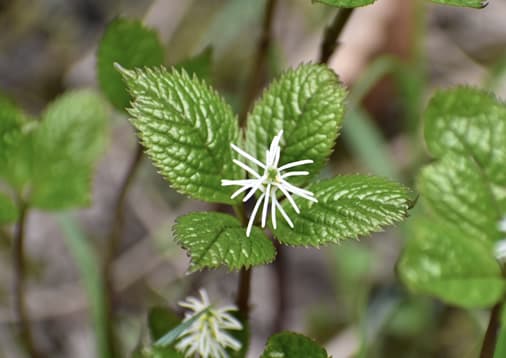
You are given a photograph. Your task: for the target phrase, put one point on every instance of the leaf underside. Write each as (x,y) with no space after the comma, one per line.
(66,145)
(293,345)
(130,44)
(50,162)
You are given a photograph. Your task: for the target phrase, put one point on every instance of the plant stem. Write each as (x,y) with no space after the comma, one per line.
(243,292)
(244,286)
(115,233)
(490,340)
(113,244)
(281,285)
(19,288)
(254,84)
(6,235)
(241,214)
(332,33)
(263,45)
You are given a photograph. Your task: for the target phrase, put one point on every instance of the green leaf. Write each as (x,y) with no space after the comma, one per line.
(292,345)
(199,65)
(307,103)
(130,44)
(214,239)
(472,123)
(187,129)
(347,207)
(8,210)
(478,4)
(450,264)
(241,335)
(160,321)
(170,337)
(11,120)
(89,268)
(158,352)
(15,148)
(457,192)
(500,348)
(65,146)
(345,3)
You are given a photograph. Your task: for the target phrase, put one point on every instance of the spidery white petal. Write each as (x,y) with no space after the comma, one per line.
(273,178)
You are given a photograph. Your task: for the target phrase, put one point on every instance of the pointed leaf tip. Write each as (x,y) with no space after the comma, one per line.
(124,72)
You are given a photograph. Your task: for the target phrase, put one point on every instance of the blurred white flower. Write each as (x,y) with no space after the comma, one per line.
(207,336)
(502,225)
(272,179)
(500,246)
(500,250)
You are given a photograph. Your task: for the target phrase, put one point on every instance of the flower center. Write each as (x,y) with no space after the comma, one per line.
(272,175)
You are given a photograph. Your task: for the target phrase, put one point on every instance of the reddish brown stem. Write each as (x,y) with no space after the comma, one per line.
(256,76)
(113,244)
(490,340)
(332,34)
(19,283)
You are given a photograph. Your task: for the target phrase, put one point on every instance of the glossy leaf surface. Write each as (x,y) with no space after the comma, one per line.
(307,103)
(456,191)
(347,207)
(213,240)
(464,193)
(187,129)
(472,123)
(445,262)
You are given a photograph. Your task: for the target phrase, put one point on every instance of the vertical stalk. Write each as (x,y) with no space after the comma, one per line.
(490,340)
(254,84)
(332,33)
(244,285)
(282,288)
(113,243)
(264,42)
(5,235)
(115,233)
(19,288)
(243,292)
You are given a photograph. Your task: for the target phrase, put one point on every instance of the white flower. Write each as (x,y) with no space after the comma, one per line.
(207,336)
(500,250)
(500,246)
(502,225)
(272,179)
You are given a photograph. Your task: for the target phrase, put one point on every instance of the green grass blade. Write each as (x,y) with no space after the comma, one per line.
(89,268)
(367,144)
(174,333)
(360,134)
